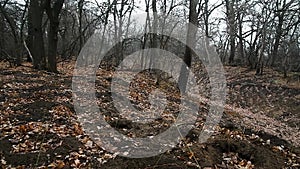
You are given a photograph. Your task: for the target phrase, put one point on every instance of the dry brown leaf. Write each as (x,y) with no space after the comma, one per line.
(23,128)
(78,129)
(60,164)
(191,155)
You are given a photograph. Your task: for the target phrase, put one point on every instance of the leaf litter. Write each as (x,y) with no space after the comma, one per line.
(39,127)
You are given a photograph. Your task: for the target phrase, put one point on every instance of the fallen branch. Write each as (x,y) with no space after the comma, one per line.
(27,49)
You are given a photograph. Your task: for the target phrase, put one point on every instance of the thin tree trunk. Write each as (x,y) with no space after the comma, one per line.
(231,20)
(80,8)
(277,39)
(241,43)
(191,40)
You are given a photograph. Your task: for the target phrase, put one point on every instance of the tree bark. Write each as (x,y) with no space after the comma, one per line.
(232,29)
(277,38)
(241,43)
(35,33)
(153,36)
(191,40)
(80,9)
(53,15)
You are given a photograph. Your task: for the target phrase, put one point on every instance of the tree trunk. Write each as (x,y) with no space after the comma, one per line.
(153,36)
(80,8)
(206,17)
(277,39)
(35,33)
(1,36)
(260,62)
(53,15)
(52,47)
(241,43)
(231,21)
(191,40)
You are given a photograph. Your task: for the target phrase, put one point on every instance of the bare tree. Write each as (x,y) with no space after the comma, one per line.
(16,24)
(260,63)
(281,10)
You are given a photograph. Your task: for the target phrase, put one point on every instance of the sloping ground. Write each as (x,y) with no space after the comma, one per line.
(39,129)
(266,103)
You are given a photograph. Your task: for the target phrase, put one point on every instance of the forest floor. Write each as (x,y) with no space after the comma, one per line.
(39,126)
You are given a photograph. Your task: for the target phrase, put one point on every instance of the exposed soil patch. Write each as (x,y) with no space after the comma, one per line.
(36,111)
